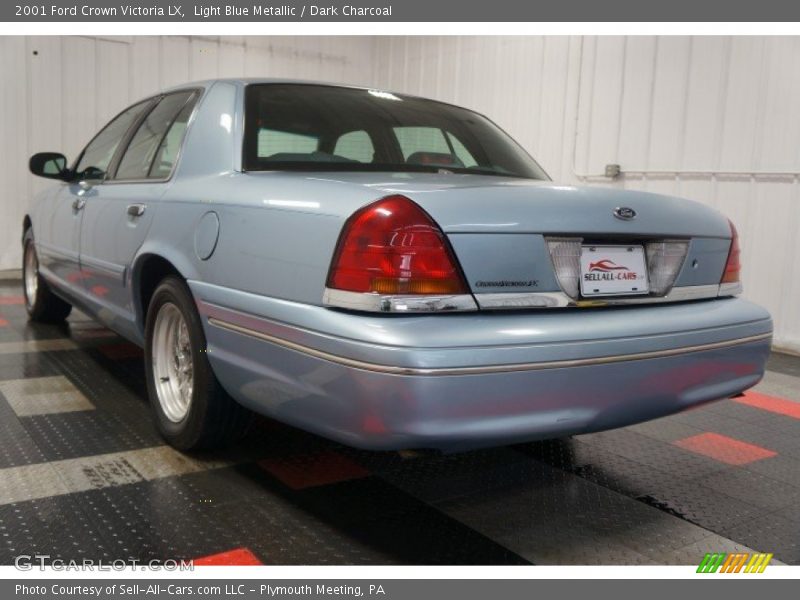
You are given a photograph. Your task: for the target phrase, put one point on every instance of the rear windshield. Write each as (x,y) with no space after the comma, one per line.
(316,127)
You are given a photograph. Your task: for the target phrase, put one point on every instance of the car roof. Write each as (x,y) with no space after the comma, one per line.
(245,81)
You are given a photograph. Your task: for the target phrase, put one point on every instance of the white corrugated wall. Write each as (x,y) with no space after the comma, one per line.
(56,92)
(715,119)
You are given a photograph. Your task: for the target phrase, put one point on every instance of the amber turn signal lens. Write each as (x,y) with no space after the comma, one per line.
(733,266)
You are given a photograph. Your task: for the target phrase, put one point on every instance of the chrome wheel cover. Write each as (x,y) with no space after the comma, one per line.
(173,368)
(31,274)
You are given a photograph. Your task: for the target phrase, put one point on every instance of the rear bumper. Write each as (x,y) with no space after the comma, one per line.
(460,381)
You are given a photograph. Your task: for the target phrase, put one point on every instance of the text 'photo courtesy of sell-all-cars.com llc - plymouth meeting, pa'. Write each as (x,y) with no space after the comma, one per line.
(383,270)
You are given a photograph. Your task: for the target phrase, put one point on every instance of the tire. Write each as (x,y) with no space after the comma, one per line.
(190,408)
(42,304)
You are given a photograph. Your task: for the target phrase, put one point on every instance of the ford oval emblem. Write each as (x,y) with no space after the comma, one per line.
(624,213)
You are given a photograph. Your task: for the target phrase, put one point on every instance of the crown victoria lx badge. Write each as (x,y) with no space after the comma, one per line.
(624,213)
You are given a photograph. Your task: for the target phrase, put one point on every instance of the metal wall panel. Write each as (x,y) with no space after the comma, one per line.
(14,144)
(56,92)
(710,118)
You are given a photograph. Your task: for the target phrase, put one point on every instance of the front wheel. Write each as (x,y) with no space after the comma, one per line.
(41,303)
(191,409)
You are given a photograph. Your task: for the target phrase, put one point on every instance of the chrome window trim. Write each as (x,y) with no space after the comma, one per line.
(487,369)
(398,304)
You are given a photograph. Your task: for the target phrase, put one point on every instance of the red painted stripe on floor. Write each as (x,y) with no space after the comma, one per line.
(780,406)
(9,300)
(724,449)
(240,557)
(312,470)
(3,322)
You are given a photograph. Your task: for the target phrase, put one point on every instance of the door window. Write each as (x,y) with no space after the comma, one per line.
(168,151)
(95,159)
(151,139)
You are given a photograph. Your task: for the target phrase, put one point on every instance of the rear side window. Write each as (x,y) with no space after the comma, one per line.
(143,157)
(170,147)
(95,159)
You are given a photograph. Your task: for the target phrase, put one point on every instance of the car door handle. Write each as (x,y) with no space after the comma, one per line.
(136,210)
(78,204)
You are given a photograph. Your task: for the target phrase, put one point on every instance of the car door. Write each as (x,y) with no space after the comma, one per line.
(118,213)
(58,239)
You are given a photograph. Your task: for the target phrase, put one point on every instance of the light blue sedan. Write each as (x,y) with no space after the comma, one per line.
(383,270)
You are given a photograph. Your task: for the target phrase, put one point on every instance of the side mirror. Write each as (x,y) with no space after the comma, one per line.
(51,165)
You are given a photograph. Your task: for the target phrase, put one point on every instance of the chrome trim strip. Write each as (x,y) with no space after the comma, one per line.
(508,368)
(506,301)
(114,270)
(398,304)
(54,252)
(523,300)
(561,299)
(676,294)
(731,289)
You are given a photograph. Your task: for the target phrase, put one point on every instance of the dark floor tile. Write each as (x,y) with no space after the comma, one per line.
(784,467)
(155,520)
(16,446)
(69,435)
(777,532)
(51,526)
(754,488)
(439,477)
(702,505)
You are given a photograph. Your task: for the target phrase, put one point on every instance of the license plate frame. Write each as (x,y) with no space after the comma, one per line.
(613,270)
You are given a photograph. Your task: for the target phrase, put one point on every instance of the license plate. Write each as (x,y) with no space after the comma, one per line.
(613,271)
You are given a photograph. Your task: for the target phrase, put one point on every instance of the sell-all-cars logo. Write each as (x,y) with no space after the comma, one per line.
(625,213)
(737,562)
(606,266)
(608,270)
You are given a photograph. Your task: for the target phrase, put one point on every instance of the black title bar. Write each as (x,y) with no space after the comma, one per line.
(401,11)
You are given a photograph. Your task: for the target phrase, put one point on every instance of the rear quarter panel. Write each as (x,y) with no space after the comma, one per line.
(281,253)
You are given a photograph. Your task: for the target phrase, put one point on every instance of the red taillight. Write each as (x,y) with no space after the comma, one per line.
(733,267)
(393,247)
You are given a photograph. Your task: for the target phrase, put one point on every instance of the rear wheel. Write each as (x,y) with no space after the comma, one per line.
(191,409)
(41,303)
